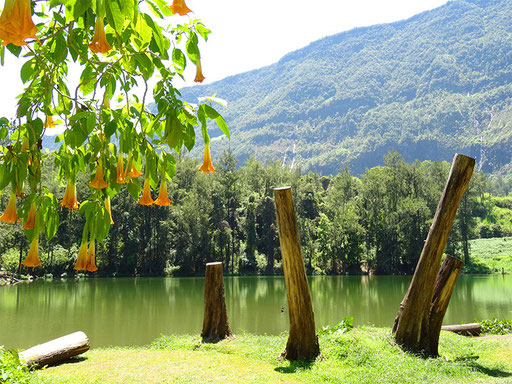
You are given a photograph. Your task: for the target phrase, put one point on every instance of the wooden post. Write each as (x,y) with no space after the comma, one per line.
(412,323)
(215,321)
(302,341)
(445,283)
(56,350)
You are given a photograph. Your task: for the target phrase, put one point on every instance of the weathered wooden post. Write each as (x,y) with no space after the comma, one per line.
(56,350)
(215,321)
(413,328)
(302,341)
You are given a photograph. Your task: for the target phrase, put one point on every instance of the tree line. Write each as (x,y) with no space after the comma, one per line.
(376,222)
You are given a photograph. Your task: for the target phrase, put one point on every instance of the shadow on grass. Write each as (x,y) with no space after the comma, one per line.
(470,361)
(71,360)
(295,366)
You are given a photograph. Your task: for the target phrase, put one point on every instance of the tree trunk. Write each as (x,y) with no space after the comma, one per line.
(215,321)
(302,341)
(445,283)
(412,330)
(471,329)
(56,350)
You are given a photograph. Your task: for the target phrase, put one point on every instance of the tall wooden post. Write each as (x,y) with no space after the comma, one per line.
(412,323)
(302,341)
(215,321)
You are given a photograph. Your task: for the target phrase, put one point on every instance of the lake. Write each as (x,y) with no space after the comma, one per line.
(135,311)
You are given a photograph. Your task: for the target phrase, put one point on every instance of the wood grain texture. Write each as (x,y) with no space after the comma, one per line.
(302,341)
(56,350)
(215,320)
(411,326)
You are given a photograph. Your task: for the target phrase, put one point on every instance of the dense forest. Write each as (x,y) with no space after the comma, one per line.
(427,87)
(373,223)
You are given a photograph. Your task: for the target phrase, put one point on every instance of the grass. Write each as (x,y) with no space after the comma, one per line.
(363,355)
(492,254)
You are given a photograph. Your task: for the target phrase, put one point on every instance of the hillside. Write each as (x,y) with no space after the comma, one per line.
(437,83)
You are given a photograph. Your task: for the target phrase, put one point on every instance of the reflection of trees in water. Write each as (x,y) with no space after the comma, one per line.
(137,310)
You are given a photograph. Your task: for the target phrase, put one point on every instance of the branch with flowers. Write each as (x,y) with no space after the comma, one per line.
(117,47)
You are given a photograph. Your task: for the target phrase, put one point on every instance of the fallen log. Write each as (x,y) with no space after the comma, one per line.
(55,351)
(471,329)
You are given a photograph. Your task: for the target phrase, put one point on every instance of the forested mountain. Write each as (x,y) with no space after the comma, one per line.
(437,83)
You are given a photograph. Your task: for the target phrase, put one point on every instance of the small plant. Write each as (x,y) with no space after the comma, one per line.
(11,370)
(343,326)
(496,326)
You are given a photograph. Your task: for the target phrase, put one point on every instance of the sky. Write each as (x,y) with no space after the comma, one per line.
(249,34)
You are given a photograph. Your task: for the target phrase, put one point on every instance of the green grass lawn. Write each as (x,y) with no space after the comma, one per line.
(492,254)
(362,355)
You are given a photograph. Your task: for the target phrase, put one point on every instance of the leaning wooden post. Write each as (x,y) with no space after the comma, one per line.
(412,324)
(56,350)
(215,321)
(445,283)
(302,341)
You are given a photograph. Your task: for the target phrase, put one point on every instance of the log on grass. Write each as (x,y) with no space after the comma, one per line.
(445,283)
(55,351)
(471,329)
(215,321)
(302,341)
(412,323)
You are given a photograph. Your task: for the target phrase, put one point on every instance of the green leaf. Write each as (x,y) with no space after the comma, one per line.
(178,57)
(213,114)
(28,70)
(114,15)
(203,31)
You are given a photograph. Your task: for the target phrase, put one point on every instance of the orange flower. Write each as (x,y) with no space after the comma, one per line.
(69,201)
(207,162)
(10,215)
(81,261)
(134,173)
(162,199)
(107,207)
(91,264)
(199,74)
(31,218)
(146,199)
(16,23)
(121,173)
(48,123)
(32,259)
(98,181)
(99,42)
(179,7)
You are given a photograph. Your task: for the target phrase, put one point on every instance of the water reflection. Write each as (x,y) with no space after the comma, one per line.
(134,311)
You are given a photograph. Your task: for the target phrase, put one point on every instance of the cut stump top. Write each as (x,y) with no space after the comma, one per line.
(214,263)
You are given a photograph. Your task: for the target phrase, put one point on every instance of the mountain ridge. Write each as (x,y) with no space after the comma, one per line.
(428,86)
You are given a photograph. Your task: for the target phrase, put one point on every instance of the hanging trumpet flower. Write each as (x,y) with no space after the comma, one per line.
(98,181)
(91,263)
(162,199)
(70,201)
(31,218)
(207,161)
(179,7)
(16,23)
(107,207)
(99,43)
(10,215)
(32,259)
(146,199)
(81,261)
(199,73)
(121,173)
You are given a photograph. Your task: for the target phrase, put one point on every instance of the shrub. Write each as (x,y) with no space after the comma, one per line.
(11,371)
(496,326)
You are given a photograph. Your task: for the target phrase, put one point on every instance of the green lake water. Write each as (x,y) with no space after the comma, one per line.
(135,311)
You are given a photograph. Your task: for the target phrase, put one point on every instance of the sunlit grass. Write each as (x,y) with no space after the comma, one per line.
(363,355)
(495,253)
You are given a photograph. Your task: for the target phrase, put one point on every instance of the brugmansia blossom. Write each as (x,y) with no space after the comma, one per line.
(91,263)
(162,199)
(179,7)
(31,218)
(199,73)
(121,173)
(99,42)
(81,261)
(48,123)
(32,259)
(207,162)
(98,182)
(146,199)
(134,173)
(107,207)
(10,215)
(69,200)
(16,23)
